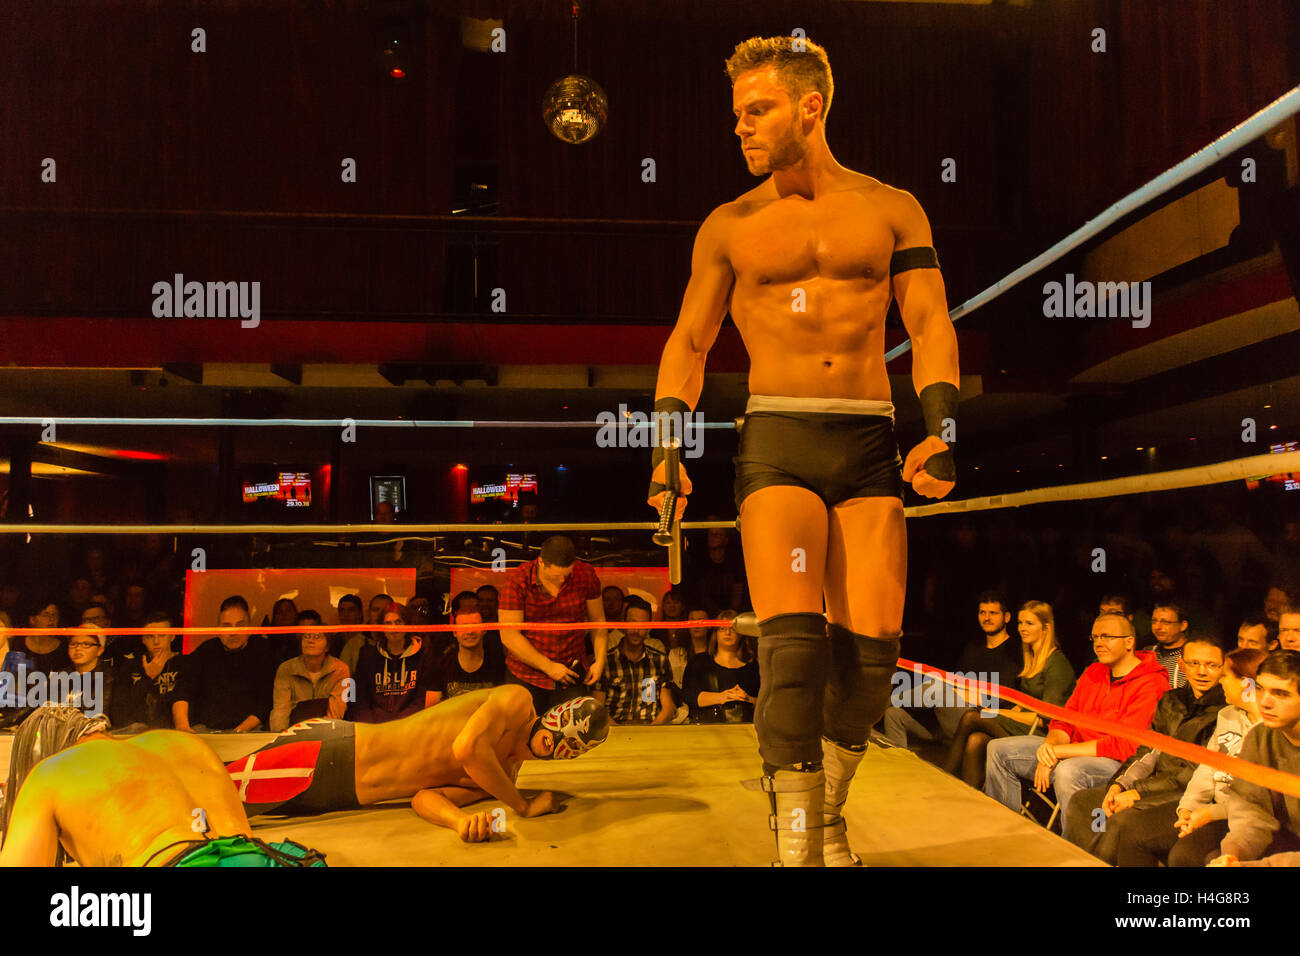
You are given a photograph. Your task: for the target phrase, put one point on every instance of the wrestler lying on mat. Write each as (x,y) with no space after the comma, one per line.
(158,799)
(443,758)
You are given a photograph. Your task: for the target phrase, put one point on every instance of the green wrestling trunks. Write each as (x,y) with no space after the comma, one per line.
(242,851)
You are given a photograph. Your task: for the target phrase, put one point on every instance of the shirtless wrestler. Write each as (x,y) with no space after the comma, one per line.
(107,801)
(807,263)
(442,758)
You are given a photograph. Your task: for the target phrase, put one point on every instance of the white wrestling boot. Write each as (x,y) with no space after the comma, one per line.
(839,765)
(797,799)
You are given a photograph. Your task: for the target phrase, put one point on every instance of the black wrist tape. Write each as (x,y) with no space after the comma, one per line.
(939,405)
(667,421)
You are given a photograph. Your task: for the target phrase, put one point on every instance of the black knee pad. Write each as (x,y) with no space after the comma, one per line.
(858,683)
(792,667)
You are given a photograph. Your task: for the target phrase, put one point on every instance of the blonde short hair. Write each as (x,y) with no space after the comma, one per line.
(801,66)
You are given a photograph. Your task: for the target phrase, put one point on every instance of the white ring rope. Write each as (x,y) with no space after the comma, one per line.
(1257,125)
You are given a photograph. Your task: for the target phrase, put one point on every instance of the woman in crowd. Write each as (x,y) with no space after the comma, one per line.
(686,643)
(1047,676)
(311,684)
(672,608)
(392,673)
(1203,810)
(721,686)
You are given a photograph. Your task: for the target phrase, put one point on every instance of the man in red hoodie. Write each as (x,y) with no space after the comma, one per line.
(1124,686)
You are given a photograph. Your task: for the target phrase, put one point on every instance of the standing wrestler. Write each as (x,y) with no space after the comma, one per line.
(807,263)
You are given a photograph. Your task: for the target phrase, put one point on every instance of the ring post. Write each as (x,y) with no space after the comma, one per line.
(669,533)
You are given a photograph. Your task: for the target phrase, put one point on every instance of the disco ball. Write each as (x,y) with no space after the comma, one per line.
(574,108)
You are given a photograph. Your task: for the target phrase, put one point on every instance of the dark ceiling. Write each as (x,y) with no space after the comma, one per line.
(378,294)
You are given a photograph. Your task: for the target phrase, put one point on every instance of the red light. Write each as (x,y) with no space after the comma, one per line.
(138,455)
(461,468)
(397,73)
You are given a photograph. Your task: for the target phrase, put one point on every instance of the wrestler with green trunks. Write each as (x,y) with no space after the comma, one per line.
(162,798)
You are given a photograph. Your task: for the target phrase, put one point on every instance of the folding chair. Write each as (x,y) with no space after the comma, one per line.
(1026,808)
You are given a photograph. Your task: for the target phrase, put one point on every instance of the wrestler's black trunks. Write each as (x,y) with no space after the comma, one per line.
(837,455)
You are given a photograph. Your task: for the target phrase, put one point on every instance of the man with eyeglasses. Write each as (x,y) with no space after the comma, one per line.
(1169,628)
(1123,686)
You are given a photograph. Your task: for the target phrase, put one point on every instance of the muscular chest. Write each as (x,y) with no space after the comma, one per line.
(840,236)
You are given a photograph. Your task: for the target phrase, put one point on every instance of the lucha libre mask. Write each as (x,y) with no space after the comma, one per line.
(575,727)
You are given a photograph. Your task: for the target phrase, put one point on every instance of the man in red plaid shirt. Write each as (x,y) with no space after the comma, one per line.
(555,588)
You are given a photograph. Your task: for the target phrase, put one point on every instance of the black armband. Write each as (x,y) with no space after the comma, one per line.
(939,408)
(666,424)
(918,257)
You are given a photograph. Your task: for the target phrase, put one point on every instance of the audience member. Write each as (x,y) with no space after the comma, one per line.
(284,613)
(717,575)
(1288,629)
(638,611)
(80,593)
(1286,556)
(390,673)
(349,610)
(612,597)
(1116,604)
(134,607)
(1169,628)
(379,604)
(1161,591)
(1263,825)
(283,647)
(1257,632)
(721,685)
(1279,596)
(489,600)
(49,653)
(688,643)
(419,612)
(472,665)
(1140,804)
(555,587)
(93,693)
(98,574)
(1044,674)
(313,684)
(1124,686)
(991,654)
(635,682)
(466,602)
(145,686)
(17,664)
(1202,813)
(113,650)
(225,684)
